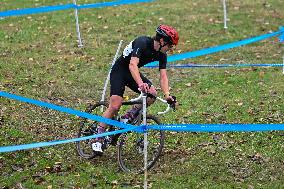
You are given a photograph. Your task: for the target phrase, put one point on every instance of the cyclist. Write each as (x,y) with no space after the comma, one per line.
(125,72)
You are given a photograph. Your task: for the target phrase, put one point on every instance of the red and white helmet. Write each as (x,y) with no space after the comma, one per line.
(168,33)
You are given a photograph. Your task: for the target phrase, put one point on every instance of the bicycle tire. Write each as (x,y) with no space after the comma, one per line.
(130,148)
(87,128)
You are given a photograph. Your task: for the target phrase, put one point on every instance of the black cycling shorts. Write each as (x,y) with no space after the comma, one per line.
(120,77)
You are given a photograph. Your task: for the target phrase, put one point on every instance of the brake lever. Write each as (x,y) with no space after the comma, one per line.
(172,103)
(173,106)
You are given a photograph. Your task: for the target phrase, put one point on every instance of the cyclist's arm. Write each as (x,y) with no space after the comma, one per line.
(133,68)
(164,82)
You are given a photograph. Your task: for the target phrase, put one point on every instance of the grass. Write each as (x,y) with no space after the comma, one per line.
(39,59)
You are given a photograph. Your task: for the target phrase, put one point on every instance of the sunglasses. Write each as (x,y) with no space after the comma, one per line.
(170,45)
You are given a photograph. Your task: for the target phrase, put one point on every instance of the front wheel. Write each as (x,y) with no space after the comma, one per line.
(131,148)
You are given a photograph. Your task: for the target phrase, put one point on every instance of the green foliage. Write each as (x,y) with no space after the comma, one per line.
(39,59)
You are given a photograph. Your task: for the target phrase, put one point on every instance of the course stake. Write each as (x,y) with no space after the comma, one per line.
(80,45)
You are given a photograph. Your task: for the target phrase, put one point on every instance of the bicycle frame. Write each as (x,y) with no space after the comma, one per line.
(84,150)
(138,100)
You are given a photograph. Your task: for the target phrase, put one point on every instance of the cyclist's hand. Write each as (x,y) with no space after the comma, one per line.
(144,87)
(172,101)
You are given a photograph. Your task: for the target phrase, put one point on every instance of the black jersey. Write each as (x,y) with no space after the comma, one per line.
(142,48)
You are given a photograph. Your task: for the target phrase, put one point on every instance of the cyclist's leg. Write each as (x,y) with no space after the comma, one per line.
(114,106)
(117,88)
(115,103)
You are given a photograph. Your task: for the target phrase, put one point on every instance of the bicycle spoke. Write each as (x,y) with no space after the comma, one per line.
(131,146)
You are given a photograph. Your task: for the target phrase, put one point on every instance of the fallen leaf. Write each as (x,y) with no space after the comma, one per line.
(240,103)
(188,84)
(115,182)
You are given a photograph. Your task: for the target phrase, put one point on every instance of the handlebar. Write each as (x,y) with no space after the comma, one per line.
(168,107)
(160,99)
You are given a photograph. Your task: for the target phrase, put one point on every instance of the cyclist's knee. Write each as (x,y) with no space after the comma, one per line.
(115,103)
(114,109)
(152,97)
(153,91)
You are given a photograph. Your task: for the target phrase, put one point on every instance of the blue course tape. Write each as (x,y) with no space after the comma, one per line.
(36,10)
(115,3)
(217,127)
(221,65)
(281,37)
(50,143)
(211,50)
(67,110)
(67,6)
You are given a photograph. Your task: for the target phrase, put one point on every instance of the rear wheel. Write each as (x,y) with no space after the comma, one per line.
(131,145)
(88,127)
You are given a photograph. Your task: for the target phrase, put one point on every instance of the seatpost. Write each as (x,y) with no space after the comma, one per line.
(144,99)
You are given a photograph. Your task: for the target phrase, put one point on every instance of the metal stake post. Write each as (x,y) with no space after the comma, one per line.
(283,64)
(225,14)
(145,140)
(108,76)
(77,25)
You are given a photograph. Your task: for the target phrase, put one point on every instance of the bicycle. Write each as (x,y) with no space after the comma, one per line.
(130,144)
